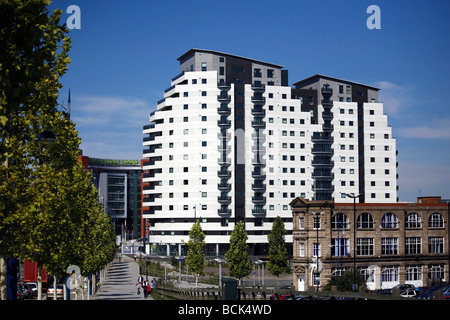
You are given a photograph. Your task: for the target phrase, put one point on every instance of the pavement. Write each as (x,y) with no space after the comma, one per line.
(120,281)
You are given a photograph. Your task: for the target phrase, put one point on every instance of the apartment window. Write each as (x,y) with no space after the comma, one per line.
(364,247)
(204,194)
(185,194)
(185,94)
(389,221)
(186,131)
(186,106)
(204,81)
(204,143)
(316,223)
(389,273)
(301,223)
(413,221)
(413,273)
(301,249)
(204,105)
(389,246)
(204,131)
(204,93)
(365,221)
(340,247)
(316,250)
(204,169)
(270,73)
(413,245)
(372,136)
(204,118)
(204,66)
(340,221)
(436,220)
(436,245)
(185,119)
(436,271)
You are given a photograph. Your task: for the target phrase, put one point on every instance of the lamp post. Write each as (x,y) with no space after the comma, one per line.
(354,236)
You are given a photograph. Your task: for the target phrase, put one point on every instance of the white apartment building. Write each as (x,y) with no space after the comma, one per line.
(231,141)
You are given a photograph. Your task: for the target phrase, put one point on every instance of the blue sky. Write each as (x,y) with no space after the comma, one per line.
(124,56)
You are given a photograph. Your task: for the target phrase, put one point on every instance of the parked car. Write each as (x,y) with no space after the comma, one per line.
(33,286)
(26,290)
(429,294)
(409,293)
(20,294)
(404,287)
(59,292)
(384,291)
(446,293)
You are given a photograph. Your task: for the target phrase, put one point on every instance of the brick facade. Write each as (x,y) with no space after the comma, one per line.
(396,243)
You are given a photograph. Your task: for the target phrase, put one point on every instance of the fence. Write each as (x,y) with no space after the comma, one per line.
(265,293)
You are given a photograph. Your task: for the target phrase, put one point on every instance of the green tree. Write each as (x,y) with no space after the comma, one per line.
(34,56)
(49,210)
(237,255)
(345,282)
(195,256)
(278,263)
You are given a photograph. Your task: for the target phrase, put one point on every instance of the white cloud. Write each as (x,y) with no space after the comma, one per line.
(110,126)
(439,130)
(396,98)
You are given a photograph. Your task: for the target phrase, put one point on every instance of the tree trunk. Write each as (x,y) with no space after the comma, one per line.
(39,282)
(54,289)
(3,271)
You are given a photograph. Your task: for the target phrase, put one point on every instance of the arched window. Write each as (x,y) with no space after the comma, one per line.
(436,220)
(365,221)
(413,221)
(389,221)
(340,221)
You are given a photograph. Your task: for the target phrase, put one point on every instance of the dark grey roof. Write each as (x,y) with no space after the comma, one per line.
(190,52)
(317,76)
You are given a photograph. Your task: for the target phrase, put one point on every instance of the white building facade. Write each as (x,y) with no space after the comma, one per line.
(231,141)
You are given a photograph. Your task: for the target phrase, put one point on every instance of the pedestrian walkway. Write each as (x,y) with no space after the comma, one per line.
(120,281)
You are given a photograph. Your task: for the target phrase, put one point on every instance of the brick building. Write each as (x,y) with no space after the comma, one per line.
(395,243)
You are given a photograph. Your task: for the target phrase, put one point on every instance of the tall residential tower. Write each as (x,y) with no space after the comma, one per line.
(232,141)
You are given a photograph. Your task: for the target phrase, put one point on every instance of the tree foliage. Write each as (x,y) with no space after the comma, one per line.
(345,282)
(237,255)
(49,210)
(195,256)
(278,263)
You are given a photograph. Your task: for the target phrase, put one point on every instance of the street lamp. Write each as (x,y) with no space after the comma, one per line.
(354,236)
